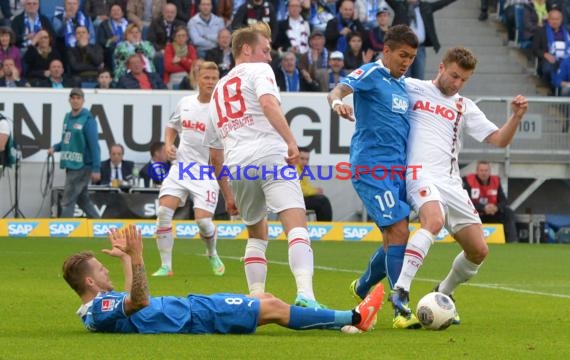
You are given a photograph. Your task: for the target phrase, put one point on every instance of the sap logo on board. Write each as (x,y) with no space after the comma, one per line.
(317,232)
(356,232)
(62,228)
(147,230)
(230,231)
(187,231)
(274,231)
(102,229)
(488,231)
(21,228)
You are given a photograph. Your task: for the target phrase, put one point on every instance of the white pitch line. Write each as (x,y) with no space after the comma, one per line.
(484,286)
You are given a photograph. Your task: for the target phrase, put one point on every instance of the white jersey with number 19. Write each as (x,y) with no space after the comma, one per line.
(237,123)
(437,123)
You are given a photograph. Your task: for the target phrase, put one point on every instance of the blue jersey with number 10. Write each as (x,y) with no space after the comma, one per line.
(381,109)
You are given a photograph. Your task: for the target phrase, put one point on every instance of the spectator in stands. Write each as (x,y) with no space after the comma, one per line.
(320,14)
(6,12)
(133,44)
(290,78)
(79,136)
(28,23)
(294,31)
(221,55)
(85,60)
(161,30)
(178,57)
(190,81)
(551,45)
(314,196)
(57,79)
(366,11)
(185,9)
(530,20)
(139,13)
(116,170)
(336,72)
(489,199)
(105,80)
(418,15)
(157,154)
(7,48)
(111,32)
(253,11)
(97,10)
(65,24)
(225,10)
(315,60)
(341,26)
(39,56)
(484,14)
(204,28)
(138,78)
(12,76)
(355,56)
(377,33)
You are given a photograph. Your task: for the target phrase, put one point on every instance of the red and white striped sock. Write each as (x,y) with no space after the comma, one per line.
(416,250)
(301,261)
(255,265)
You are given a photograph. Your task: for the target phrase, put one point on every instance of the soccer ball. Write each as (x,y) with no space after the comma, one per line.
(435,311)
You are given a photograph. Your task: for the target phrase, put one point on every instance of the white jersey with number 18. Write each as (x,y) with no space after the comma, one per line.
(437,123)
(237,123)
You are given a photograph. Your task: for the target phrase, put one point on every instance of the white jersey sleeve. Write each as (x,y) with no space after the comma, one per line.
(211,138)
(264,82)
(476,123)
(174,121)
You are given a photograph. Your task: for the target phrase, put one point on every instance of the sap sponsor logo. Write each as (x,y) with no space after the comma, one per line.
(230,231)
(442,234)
(187,231)
(62,228)
(317,232)
(356,232)
(399,104)
(274,231)
(101,229)
(147,230)
(21,228)
(488,231)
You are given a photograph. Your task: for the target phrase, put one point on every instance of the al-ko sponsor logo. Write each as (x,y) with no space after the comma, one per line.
(101,229)
(62,228)
(357,232)
(21,228)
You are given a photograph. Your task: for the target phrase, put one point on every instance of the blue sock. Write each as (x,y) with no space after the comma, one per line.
(307,318)
(375,272)
(394,261)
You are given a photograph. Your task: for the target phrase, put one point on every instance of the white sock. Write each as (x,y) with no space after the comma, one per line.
(301,261)
(416,250)
(208,235)
(461,271)
(164,237)
(255,265)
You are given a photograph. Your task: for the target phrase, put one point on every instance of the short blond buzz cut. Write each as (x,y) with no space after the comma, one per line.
(463,57)
(249,35)
(207,65)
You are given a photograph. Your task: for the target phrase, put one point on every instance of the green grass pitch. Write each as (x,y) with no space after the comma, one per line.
(517,306)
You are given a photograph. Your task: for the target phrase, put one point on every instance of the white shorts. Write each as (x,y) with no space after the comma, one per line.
(255,197)
(203,192)
(457,205)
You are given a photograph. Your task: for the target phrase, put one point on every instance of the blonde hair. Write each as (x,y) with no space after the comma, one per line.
(207,65)
(75,269)
(249,35)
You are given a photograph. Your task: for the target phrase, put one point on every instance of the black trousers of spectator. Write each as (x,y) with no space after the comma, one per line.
(507,218)
(321,205)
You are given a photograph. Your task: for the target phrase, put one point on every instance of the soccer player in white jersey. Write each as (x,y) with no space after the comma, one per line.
(439,116)
(248,128)
(189,122)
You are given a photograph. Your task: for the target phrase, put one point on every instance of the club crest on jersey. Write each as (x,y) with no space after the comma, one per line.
(424,191)
(355,74)
(399,104)
(460,106)
(107,304)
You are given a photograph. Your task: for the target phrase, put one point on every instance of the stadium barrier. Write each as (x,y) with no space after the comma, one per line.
(318,231)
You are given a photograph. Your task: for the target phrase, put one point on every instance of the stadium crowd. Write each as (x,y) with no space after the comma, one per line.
(157,44)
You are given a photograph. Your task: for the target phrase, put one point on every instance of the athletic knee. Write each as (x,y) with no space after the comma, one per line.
(478,254)
(206,226)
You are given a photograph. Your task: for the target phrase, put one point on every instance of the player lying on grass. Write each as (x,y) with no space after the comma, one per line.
(135,311)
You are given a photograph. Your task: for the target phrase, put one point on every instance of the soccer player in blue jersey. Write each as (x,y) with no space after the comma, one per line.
(378,143)
(135,311)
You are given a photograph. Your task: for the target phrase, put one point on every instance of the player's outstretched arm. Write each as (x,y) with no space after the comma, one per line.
(505,134)
(335,101)
(118,244)
(139,295)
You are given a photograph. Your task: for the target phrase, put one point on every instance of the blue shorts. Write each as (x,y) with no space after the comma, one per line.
(385,200)
(223,314)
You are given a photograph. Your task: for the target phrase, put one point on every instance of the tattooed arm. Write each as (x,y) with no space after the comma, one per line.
(139,296)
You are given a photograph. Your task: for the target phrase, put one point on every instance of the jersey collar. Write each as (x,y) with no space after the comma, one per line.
(385,71)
